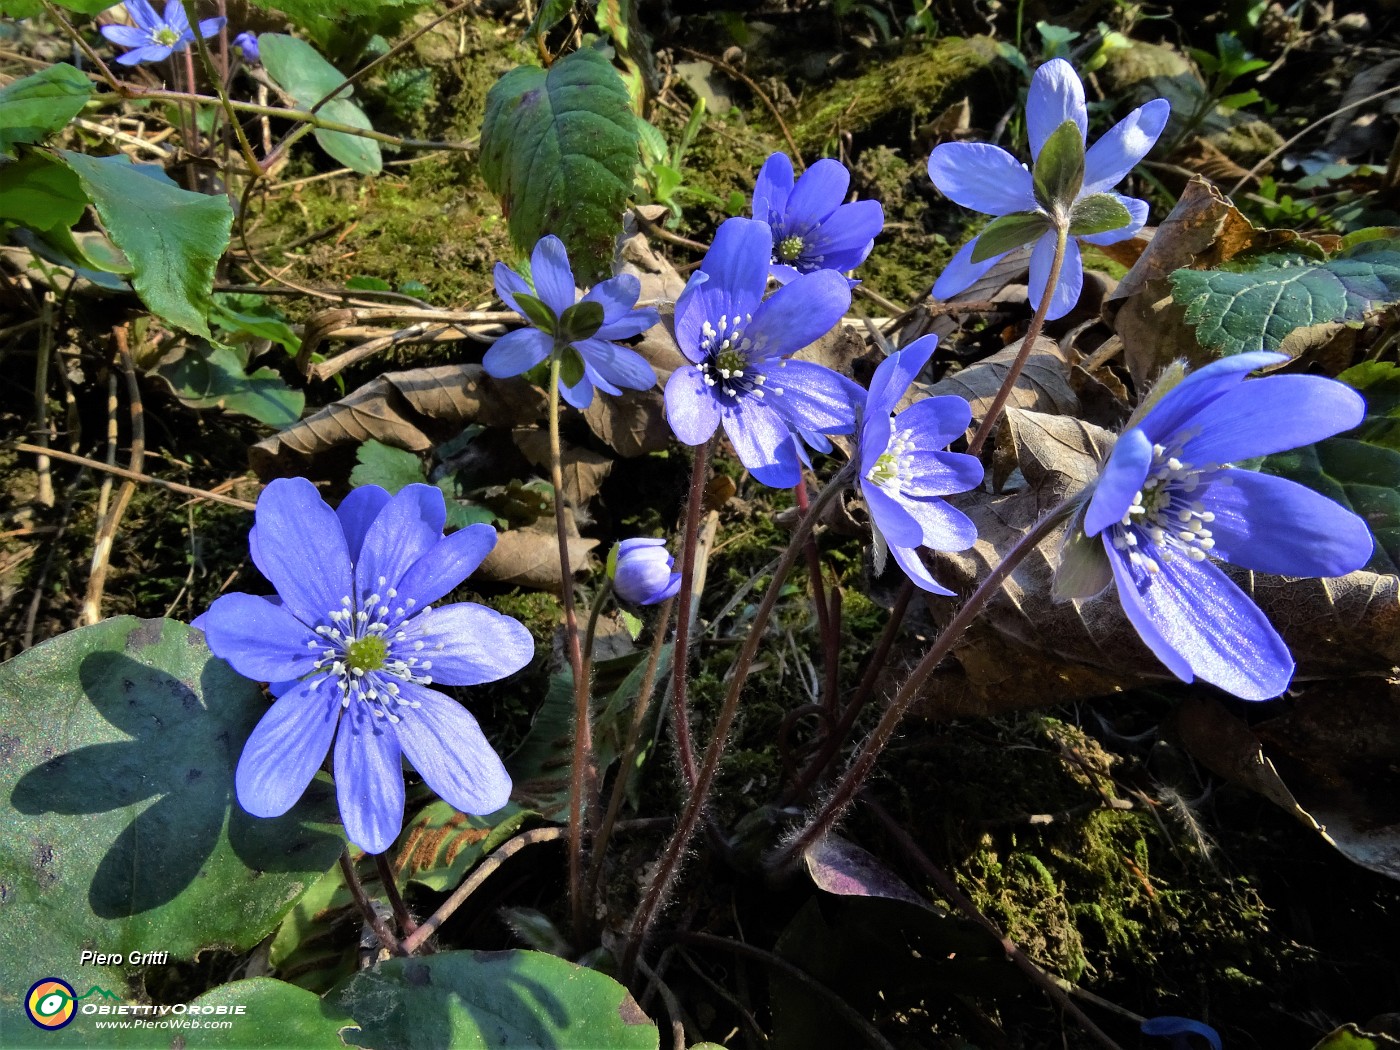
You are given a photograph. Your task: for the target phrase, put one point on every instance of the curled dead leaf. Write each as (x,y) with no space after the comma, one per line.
(1042,386)
(583,470)
(529,557)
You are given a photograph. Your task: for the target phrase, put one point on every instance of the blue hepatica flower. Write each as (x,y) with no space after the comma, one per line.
(986,178)
(812,228)
(1168,501)
(248,44)
(904,468)
(151,37)
(1180,1030)
(353,649)
(641,571)
(582,330)
(738,345)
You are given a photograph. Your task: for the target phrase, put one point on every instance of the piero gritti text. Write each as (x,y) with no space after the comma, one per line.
(92,958)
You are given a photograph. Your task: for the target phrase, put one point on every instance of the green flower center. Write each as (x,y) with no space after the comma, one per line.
(885,470)
(366,654)
(166,37)
(789,248)
(730,362)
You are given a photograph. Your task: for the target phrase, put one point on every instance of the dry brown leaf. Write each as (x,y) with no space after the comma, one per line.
(529,557)
(632,424)
(411,410)
(660,280)
(582,470)
(1043,384)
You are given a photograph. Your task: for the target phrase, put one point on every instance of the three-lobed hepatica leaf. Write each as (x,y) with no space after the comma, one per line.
(1256,303)
(558,147)
(210,375)
(473,1000)
(172,237)
(299,70)
(119,830)
(35,106)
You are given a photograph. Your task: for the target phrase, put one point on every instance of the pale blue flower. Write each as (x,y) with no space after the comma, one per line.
(641,571)
(813,226)
(151,37)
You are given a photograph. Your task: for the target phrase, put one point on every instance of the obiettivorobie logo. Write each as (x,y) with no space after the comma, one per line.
(52,1002)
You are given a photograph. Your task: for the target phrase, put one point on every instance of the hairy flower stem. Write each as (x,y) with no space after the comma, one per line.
(984,429)
(362,901)
(831,642)
(680,658)
(629,750)
(391,891)
(854,778)
(581,773)
(669,863)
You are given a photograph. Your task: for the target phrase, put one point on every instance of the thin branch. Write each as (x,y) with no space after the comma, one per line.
(133,475)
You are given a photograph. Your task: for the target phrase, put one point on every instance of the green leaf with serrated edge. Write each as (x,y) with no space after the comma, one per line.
(388,467)
(38,192)
(472,1000)
(559,148)
(581,321)
(537,313)
(1008,232)
(300,71)
(35,106)
(119,831)
(1379,381)
(442,844)
(208,375)
(174,238)
(1059,170)
(275,1015)
(1098,213)
(1362,477)
(1257,303)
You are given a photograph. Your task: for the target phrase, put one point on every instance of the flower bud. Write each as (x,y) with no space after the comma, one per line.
(641,571)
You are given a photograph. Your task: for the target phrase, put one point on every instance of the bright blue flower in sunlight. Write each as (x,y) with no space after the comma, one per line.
(582,330)
(641,571)
(1168,500)
(353,648)
(813,229)
(738,345)
(986,178)
(151,37)
(904,468)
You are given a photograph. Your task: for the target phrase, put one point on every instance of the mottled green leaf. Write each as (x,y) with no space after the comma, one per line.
(1256,304)
(1379,383)
(558,147)
(119,830)
(300,71)
(473,1000)
(35,106)
(174,238)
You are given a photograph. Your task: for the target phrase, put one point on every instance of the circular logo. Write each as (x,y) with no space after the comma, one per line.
(49,1003)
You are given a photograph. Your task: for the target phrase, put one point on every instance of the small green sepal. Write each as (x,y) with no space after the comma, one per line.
(538,314)
(1003,234)
(580,321)
(1098,213)
(570,367)
(1059,170)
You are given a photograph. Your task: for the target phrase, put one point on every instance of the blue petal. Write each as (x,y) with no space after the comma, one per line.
(620,366)
(892,518)
(1071,281)
(770,192)
(126,36)
(149,53)
(1137,212)
(819,192)
(144,15)
(580,395)
(554,277)
(982,177)
(617,296)
(517,352)
(737,270)
(800,313)
(1199,622)
(301,549)
(887,388)
(934,422)
(1201,387)
(176,18)
(961,272)
(908,559)
(813,397)
(941,473)
(1275,525)
(1272,414)
(690,407)
(369,778)
(450,561)
(409,526)
(286,748)
(763,443)
(509,284)
(846,238)
(689,318)
(260,640)
(448,749)
(1118,151)
(1056,95)
(357,512)
(209,26)
(479,644)
(945,528)
(1181,1026)
(1119,482)
(634,323)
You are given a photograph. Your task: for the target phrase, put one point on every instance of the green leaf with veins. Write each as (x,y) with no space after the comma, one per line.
(34,107)
(299,70)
